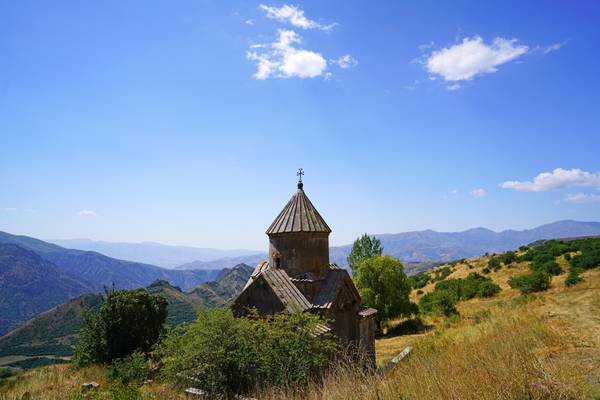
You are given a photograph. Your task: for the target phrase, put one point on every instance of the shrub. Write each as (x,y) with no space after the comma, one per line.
(132,369)
(225,355)
(441,273)
(6,373)
(568,257)
(486,270)
(419,280)
(550,267)
(573,277)
(439,302)
(128,321)
(536,281)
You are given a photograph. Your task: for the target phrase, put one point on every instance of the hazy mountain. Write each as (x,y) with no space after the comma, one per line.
(30,285)
(152,253)
(54,333)
(100,271)
(226,262)
(430,245)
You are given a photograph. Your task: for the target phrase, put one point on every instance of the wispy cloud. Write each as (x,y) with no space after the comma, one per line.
(472,57)
(557,179)
(9,209)
(346,61)
(294,16)
(478,193)
(249,22)
(552,47)
(87,213)
(580,198)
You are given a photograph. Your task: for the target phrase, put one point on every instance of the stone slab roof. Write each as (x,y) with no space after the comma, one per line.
(281,284)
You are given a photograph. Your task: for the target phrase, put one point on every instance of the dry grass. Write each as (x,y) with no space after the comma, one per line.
(506,347)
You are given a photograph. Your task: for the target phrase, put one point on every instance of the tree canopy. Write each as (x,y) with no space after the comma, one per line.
(128,321)
(383,285)
(363,247)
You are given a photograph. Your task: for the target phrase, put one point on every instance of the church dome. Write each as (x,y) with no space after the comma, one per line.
(299,215)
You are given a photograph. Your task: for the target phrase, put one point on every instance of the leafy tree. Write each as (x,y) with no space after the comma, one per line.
(128,321)
(383,285)
(363,247)
(226,356)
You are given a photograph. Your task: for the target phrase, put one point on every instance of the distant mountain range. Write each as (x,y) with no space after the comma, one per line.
(36,275)
(165,256)
(54,333)
(435,246)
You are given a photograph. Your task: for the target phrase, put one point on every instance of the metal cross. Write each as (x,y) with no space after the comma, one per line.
(299,174)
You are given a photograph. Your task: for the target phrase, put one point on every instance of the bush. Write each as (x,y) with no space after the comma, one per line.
(550,267)
(536,281)
(133,369)
(486,270)
(116,391)
(225,355)
(6,373)
(419,280)
(128,321)
(440,302)
(441,273)
(573,277)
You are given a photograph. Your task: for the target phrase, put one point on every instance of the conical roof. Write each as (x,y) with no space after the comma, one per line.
(299,215)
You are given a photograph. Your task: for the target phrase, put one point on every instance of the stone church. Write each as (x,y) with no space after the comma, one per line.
(298,277)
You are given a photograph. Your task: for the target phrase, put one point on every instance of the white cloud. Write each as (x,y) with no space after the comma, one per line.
(9,209)
(473,57)
(453,87)
(557,179)
(285,60)
(582,198)
(294,16)
(87,213)
(552,47)
(478,193)
(249,22)
(346,61)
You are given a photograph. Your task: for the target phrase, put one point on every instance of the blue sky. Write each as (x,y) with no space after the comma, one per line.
(184,122)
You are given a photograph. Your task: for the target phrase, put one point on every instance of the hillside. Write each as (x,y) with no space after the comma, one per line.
(430,245)
(102,271)
(30,285)
(509,346)
(162,255)
(54,333)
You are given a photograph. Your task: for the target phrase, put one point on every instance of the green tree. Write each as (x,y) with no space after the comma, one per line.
(363,247)
(128,321)
(383,285)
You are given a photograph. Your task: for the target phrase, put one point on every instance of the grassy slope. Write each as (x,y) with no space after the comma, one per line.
(506,347)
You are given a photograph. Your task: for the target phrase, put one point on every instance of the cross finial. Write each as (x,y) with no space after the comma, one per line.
(299,174)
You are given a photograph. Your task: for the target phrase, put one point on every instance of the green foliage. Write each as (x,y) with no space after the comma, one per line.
(486,270)
(225,355)
(438,302)
(535,281)
(363,247)
(448,292)
(383,285)
(419,280)
(116,391)
(573,277)
(128,321)
(7,373)
(549,267)
(132,369)
(494,264)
